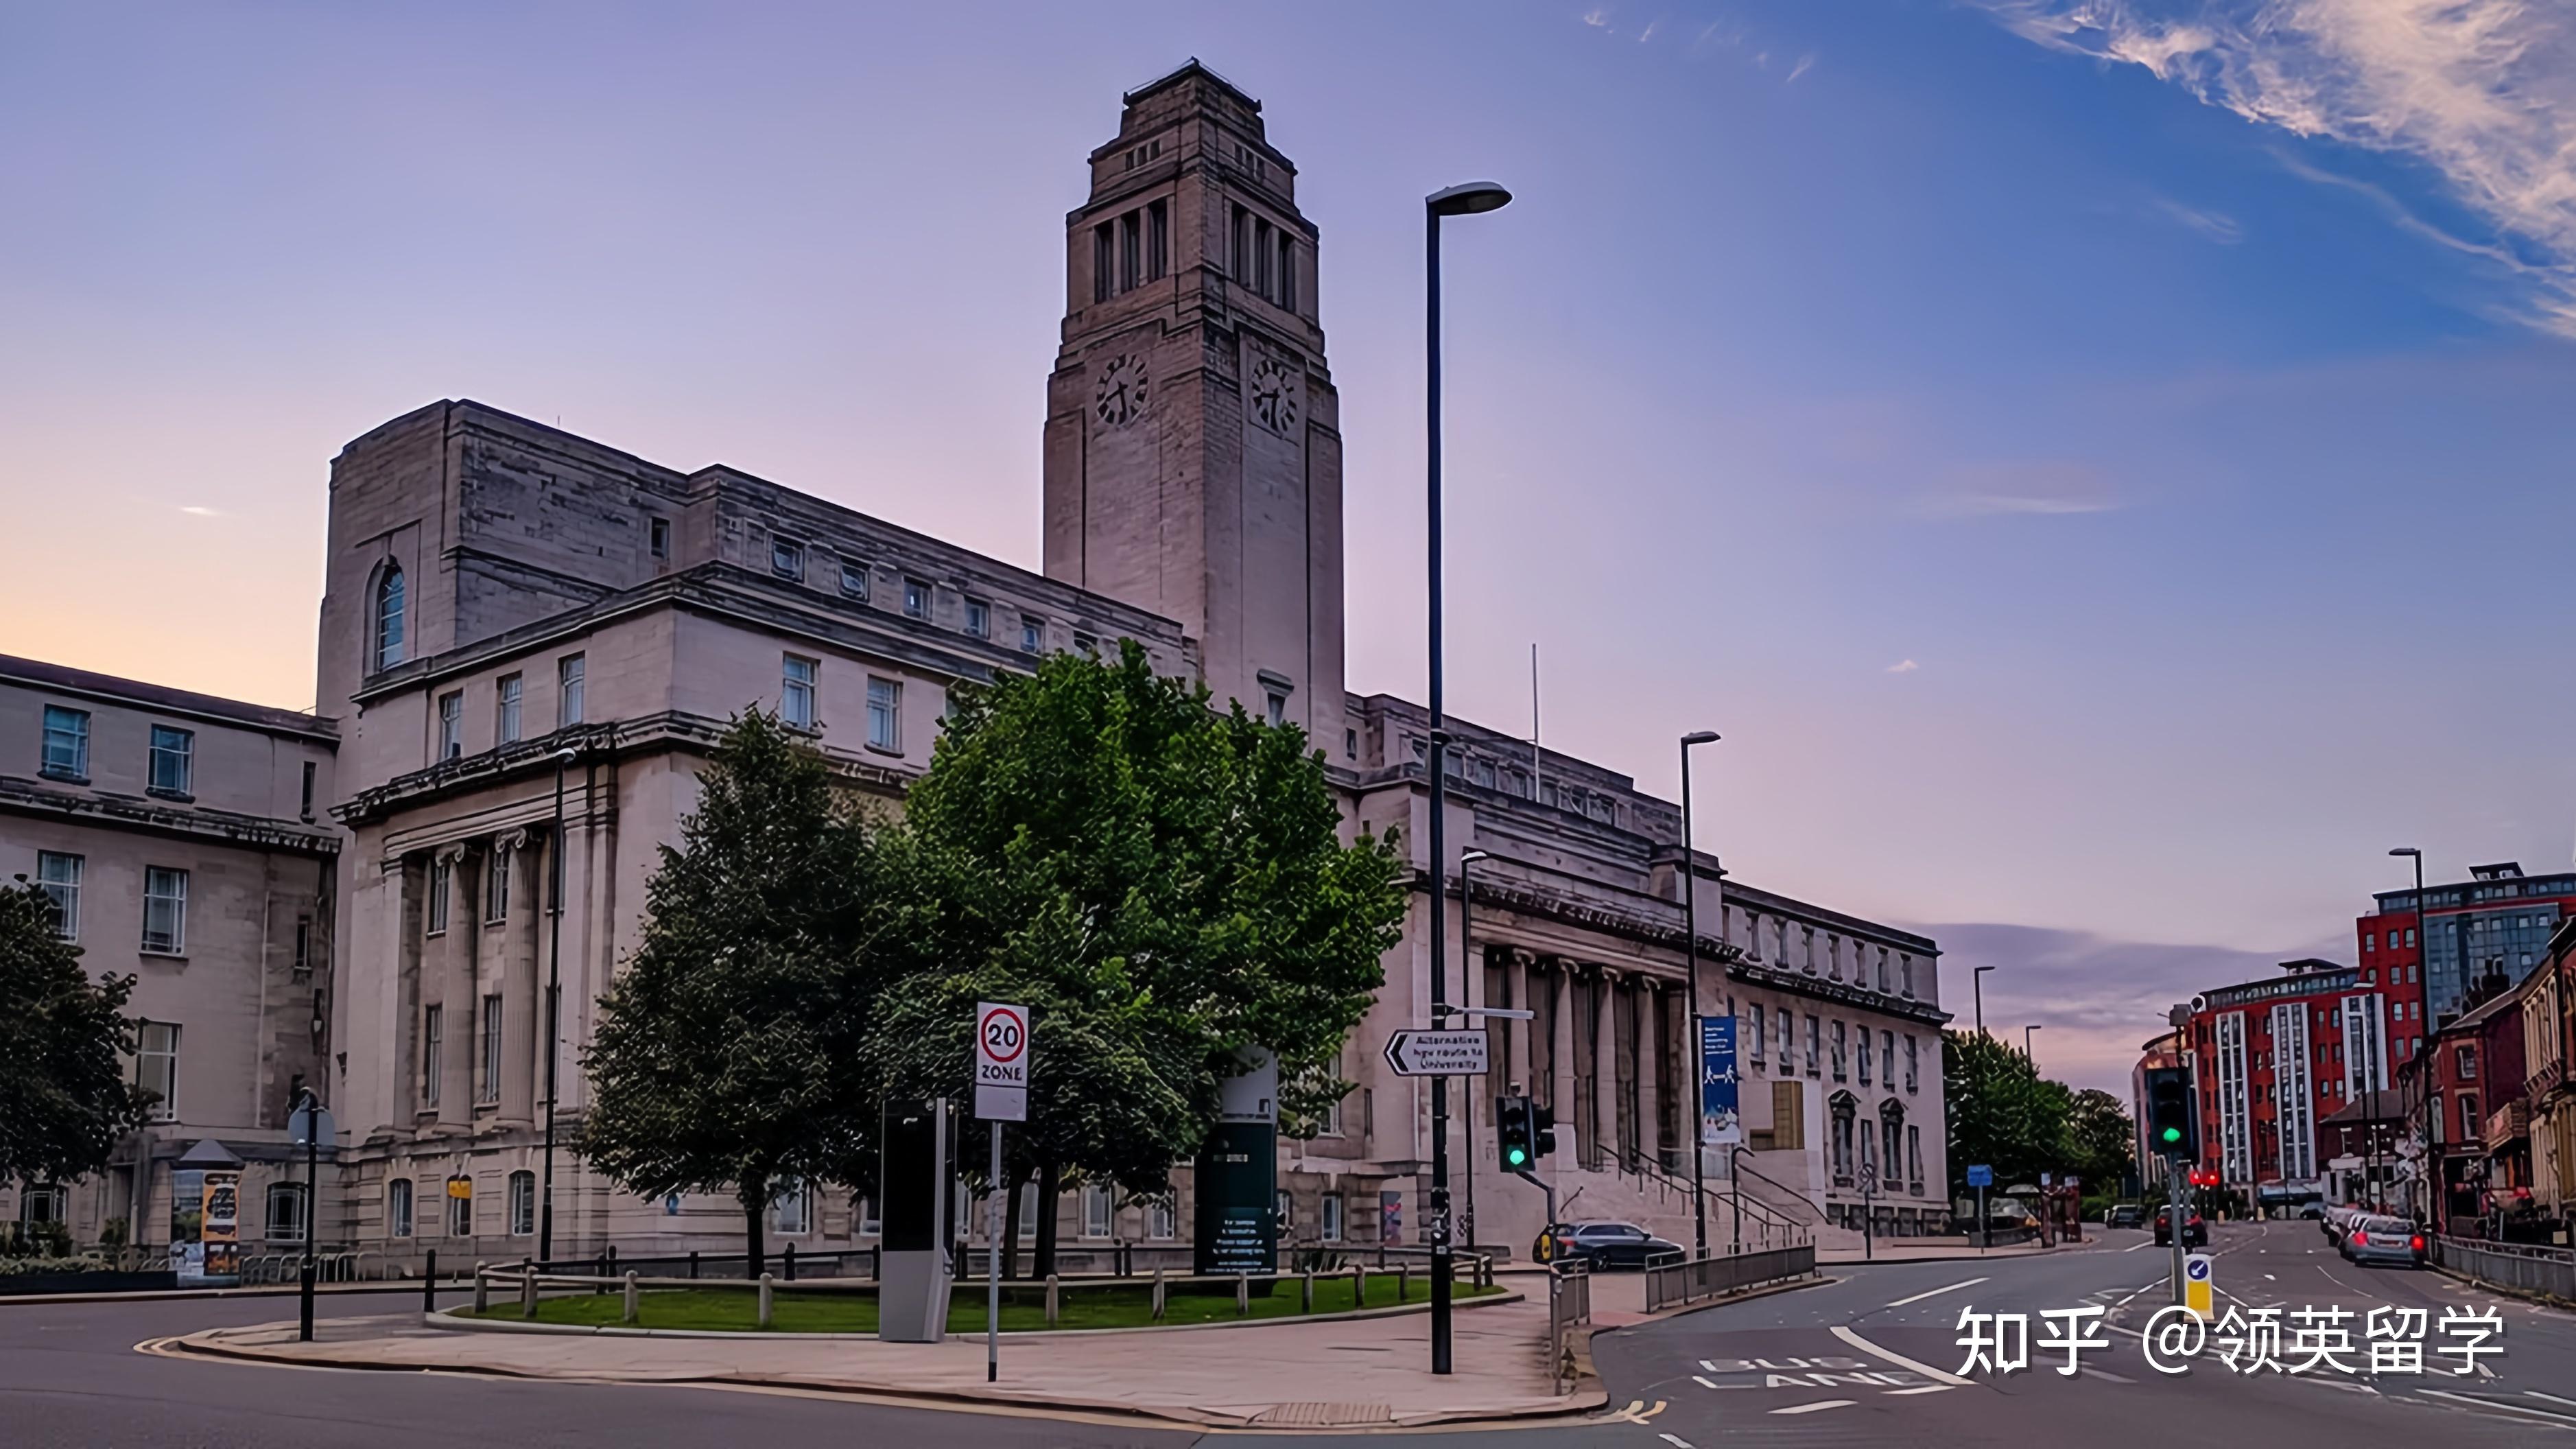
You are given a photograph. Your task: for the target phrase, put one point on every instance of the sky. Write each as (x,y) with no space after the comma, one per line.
(2102,464)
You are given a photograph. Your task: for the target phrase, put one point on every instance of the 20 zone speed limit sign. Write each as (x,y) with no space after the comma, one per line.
(1001,1062)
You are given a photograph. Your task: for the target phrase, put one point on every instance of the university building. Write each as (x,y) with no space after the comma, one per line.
(530,640)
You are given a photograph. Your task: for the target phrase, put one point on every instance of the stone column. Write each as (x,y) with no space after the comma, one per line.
(1650,1082)
(522,977)
(1557,980)
(1605,1062)
(458,952)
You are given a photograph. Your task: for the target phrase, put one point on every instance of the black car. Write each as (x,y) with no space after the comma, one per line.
(2195,1233)
(2125,1215)
(1602,1245)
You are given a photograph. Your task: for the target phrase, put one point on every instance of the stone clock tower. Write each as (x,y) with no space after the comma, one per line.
(1193,444)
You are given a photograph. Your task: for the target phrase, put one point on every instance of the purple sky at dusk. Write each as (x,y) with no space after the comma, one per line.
(2103,467)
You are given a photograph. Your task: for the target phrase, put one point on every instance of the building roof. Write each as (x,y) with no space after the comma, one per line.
(112,688)
(1185,71)
(2386,1104)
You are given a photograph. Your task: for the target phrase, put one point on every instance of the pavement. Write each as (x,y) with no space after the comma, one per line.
(1349,1372)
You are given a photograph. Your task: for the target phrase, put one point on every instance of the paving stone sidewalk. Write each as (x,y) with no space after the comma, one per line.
(1337,1372)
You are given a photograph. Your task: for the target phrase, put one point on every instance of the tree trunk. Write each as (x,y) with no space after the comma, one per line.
(755,1224)
(1010,1244)
(1048,1185)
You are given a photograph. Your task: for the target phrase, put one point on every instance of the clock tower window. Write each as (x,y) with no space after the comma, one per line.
(1158,240)
(1103,250)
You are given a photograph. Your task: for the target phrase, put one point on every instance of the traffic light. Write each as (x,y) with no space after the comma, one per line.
(2169,1115)
(1542,1127)
(1512,1130)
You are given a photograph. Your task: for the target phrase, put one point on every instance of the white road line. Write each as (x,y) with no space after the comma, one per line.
(1920,1389)
(1811,1408)
(1936,1292)
(2511,1408)
(1843,1332)
(2133,1247)
(1702,1382)
(2094,1373)
(2553,1398)
(1676,1440)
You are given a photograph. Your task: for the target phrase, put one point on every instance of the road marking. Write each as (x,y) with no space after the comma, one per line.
(1676,1440)
(1702,1381)
(1818,1404)
(2133,1247)
(1937,1376)
(1936,1292)
(2553,1398)
(1650,1413)
(2093,1373)
(2511,1408)
(1924,1389)
(2268,1278)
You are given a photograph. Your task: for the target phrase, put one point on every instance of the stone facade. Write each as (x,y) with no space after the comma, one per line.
(185,841)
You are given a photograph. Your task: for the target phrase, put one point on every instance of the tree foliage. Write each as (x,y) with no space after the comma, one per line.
(64,1038)
(2004,1114)
(720,1058)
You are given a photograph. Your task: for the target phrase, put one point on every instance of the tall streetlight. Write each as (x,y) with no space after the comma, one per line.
(1468,200)
(2426,1162)
(554,1011)
(1466,970)
(2025,1046)
(1690,948)
(1977,980)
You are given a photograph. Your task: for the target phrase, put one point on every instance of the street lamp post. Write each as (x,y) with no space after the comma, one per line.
(2025,1046)
(1977,982)
(2427,1166)
(1690,949)
(1466,971)
(1466,200)
(554,1006)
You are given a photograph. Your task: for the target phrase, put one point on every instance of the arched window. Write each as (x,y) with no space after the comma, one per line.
(389,617)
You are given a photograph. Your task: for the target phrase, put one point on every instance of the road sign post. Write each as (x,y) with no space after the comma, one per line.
(1981,1176)
(1001,1095)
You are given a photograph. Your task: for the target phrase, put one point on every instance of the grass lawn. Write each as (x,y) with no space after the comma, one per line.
(1128,1305)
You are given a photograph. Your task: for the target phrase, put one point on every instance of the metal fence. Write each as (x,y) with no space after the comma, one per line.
(1688,1280)
(1569,1307)
(2521,1267)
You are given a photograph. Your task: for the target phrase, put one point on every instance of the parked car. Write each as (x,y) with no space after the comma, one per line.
(2312,1210)
(2195,1233)
(2389,1242)
(2126,1215)
(2337,1221)
(1602,1245)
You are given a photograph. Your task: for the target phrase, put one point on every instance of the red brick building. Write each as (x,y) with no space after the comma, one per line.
(2271,1059)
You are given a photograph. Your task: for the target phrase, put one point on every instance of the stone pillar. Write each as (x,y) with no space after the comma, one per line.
(521,978)
(1605,1063)
(1650,1082)
(1557,980)
(458,1008)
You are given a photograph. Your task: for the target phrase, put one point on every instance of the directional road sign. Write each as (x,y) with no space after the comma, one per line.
(2197,1285)
(1001,1062)
(1981,1175)
(1436,1053)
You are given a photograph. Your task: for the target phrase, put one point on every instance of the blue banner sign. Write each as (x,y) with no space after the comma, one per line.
(1981,1176)
(1719,1123)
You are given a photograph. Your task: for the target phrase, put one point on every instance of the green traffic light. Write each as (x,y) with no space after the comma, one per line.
(1518,1157)
(2173,1134)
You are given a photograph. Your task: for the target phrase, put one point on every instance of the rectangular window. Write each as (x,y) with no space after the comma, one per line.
(460,1207)
(885,713)
(451,724)
(1261,257)
(854,581)
(2468,1062)
(571,688)
(307,811)
(496,887)
(1287,289)
(1102,263)
(787,559)
(796,692)
(398,1208)
(661,533)
(1838,1051)
(1815,1039)
(1274,708)
(1914,1156)
(66,754)
(1131,250)
(491,1088)
(432,1048)
(303,947)
(286,1212)
(1085,642)
(1239,264)
(165,910)
(174,754)
(505,709)
(1332,1217)
(156,1067)
(523,1204)
(1158,1221)
(1158,239)
(59,877)
(441,876)
(979,618)
(1909,1062)
(793,1204)
(1032,634)
(1863,1055)
(1096,1204)
(2470,1126)
(1886,1057)
(916,599)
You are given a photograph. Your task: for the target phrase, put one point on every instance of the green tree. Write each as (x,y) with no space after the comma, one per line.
(2002,1112)
(2101,1141)
(720,1060)
(1164,885)
(64,1097)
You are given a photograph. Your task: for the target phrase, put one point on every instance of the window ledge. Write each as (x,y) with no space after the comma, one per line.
(181,796)
(180,957)
(49,772)
(877,749)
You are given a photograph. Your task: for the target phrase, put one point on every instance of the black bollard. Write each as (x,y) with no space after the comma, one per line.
(429,1284)
(790,1256)
(693,1262)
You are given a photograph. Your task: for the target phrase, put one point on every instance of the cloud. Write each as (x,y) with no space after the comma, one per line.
(199,510)
(1649,32)
(2481,91)
(1903,666)
(2217,226)
(1805,64)
(1597,18)
(2044,488)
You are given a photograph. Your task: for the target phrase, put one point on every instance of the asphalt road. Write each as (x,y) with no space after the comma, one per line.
(1869,1357)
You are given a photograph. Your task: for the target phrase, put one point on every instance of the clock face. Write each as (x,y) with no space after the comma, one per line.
(1120,396)
(1274,395)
